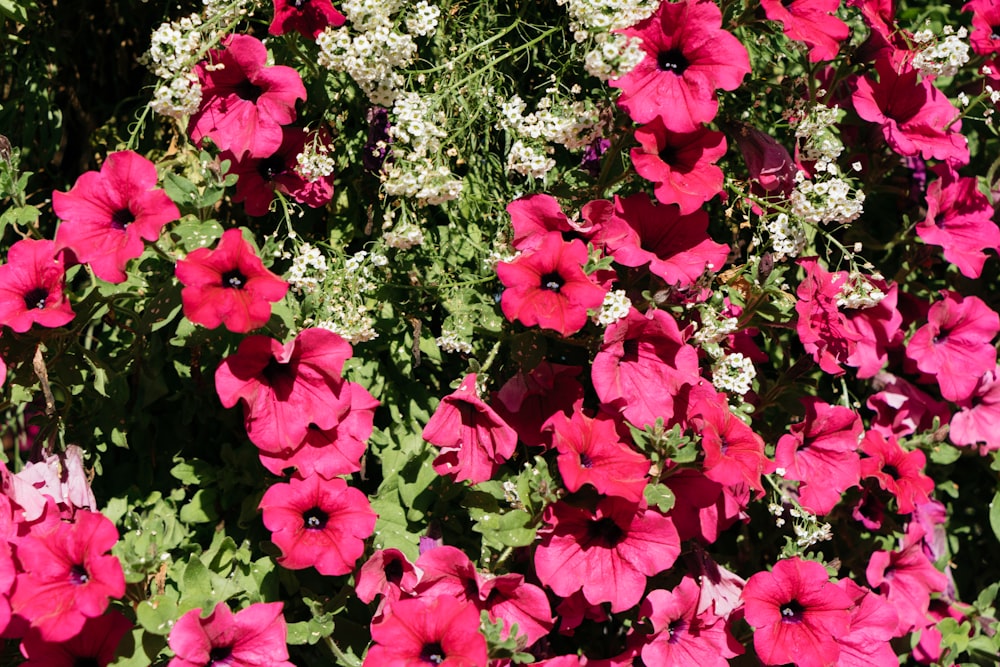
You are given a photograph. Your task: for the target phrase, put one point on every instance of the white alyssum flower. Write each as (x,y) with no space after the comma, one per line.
(423,19)
(314,162)
(404,236)
(941,57)
(614,56)
(788,238)
(616,306)
(528,161)
(734,373)
(308,267)
(859,293)
(450,342)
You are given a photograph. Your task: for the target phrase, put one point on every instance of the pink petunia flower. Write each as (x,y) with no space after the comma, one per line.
(527,400)
(260,176)
(388,573)
(978,420)
(318,523)
(906,578)
(285,388)
(916,118)
(960,220)
(228,285)
(31,287)
(61,477)
(307,17)
(798,615)
(897,471)
(768,162)
(985,19)
(107,215)
(244,102)
(703,508)
(67,574)
(956,345)
(873,624)
(902,409)
(252,637)
(473,439)
(608,551)
(822,453)
(734,454)
(812,22)
(548,288)
(681,165)
(94,646)
(436,630)
(591,451)
(688,57)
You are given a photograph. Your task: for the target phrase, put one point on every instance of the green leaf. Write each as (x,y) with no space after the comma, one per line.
(943,454)
(661,496)
(157,614)
(995,514)
(512,529)
(196,580)
(201,508)
(139,648)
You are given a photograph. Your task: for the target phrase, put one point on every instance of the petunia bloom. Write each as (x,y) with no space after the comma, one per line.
(681,165)
(897,471)
(798,614)
(244,102)
(906,578)
(31,287)
(67,574)
(108,214)
(812,22)
(435,630)
(94,646)
(252,637)
(318,523)
(688,57)
(978,421)
(228,285)
(307,17)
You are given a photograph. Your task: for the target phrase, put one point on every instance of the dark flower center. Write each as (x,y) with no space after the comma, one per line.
(78,575)
(36,298)
(586,461)
(432,653)
(275,371)
(248,91)
(552,282)
(606,530)
(941,336)
(121,218)
(271,167)
(234,279)
(84,661)
(394,572)
(676,629)
(791,612)
(315,519)
(672,61)
(298,3)
(218,654)
(995,32)
(891,471)
(630,350)
(787,3)
(669,155)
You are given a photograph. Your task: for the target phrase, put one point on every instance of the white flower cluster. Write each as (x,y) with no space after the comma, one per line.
(941,57)
(353,324)
(529,161)
(416,170)
(616,306)
(307,265)
(404,236)
(615,56)
(587,16)
(734,373)
(788,238)
(859,293)
(450,342)
(314,162)
(372,55)
(714,327)
(832,200)
(342,294)
(808,529)
(817,137)
(178,97)
(173,47)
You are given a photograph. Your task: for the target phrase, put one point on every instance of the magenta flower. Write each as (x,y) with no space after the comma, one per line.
(902,409)
(608,551)
(285,388)
(978,421)
(798,614)
(873,624)
(108,214)
(244,103)
(985,19)
(67,575)
(435,631)
(906,578)
(960,220)
(473,439)
(688,57)
(956,344)
(734,454)
(307,17)
(899,472)
(822,452)
(527,400)
(31,287)
(94,646)
(318,523)
(228,285)
(387,573)
(916,118)
(548,288)
(253,637)
(681,165)
(812,22)
(768,162)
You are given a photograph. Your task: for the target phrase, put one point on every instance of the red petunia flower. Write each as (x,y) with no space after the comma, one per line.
(902,409)
(318,523)
(956,345)
(244,102)
(608,551)
(906,578)
(873,624)
(387,573)
(960,220)
(437,630)
(94,646)
(985,37)
(978,421)
(897,471)
(528,400)
(798,614)
(688,57)
(307,17)
(916,118)
(811,22)
(31,287)
(253,637)
(473,439)
(66,574)
(768,162)
(734,454)
(285,388)
(681,165)
(548,288)
(228,285)
(107,215)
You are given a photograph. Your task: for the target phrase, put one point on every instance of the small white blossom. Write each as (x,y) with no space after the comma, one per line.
(616,306)
(734,373)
